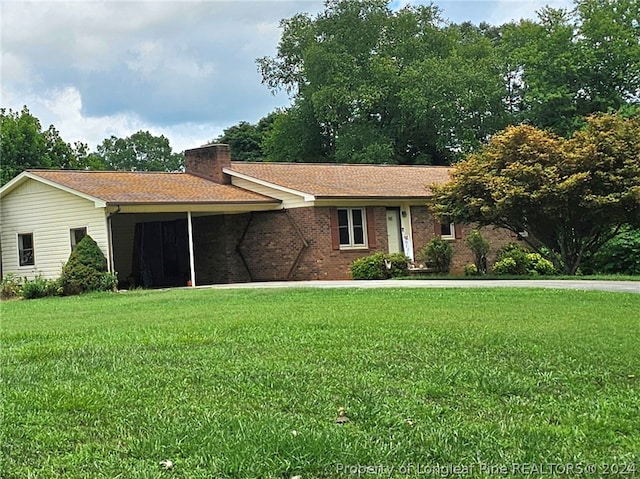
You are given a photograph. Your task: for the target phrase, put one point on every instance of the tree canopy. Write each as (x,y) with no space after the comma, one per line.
(373,85)
(568,65)
(245,140)
(569,195)
(141,151)
(24,145)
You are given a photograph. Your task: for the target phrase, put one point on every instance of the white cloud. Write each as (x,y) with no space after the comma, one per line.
(63,109)
(185,69)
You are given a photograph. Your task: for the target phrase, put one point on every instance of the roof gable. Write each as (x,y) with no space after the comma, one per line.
(26,176)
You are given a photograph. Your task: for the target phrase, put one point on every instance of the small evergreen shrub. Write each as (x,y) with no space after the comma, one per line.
(86,269)
(397,265)
(506,266)
(368,267)
(380,266)
(10,287)
(109,282)
(437,255)
(540,265)
(40,287)
(480,247)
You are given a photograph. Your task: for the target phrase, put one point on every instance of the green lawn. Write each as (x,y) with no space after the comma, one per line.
(247,383)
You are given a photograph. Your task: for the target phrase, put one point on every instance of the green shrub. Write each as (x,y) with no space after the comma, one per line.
(506,265)
(109,282)
(471,270)
(380,266)
(480,247)
(539,265)
(437,255)
(513,259)
(86,269)
(10,287)
(397,265)
(368,267)
(40,287)
(619,255)
(518,263)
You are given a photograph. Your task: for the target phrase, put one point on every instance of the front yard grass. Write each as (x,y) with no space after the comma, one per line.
(247,383)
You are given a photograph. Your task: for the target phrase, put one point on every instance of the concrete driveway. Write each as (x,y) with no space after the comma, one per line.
(585,285)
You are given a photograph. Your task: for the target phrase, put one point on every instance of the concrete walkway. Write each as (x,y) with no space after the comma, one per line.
(616,286)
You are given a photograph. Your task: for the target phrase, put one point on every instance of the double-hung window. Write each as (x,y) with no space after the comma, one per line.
(25,249)
(352,228)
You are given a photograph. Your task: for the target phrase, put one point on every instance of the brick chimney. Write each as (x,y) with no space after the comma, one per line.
(208,161)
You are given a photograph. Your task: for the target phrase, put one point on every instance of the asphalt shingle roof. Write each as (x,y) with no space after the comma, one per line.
(348,181)
(125,187)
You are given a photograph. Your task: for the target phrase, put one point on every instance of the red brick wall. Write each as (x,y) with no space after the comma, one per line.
(215,254)
(423,227)
(272,247)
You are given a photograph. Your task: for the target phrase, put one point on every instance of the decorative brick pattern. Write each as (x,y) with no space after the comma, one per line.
(216,257)
(271,246)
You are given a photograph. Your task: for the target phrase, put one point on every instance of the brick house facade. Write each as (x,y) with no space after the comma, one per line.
(226,222)
(295,242)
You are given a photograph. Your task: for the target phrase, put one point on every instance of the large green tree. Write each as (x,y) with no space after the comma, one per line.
(24,145)
(569,195)
(246,139)
(567,65)
(141,151)
(376,86)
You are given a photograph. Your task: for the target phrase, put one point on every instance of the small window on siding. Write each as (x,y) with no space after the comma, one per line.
(76,236)
(25,249)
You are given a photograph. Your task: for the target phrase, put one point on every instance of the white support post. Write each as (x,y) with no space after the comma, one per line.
(110,260)
(191,256)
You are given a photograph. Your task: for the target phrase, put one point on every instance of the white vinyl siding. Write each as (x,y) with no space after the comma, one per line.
(49,214)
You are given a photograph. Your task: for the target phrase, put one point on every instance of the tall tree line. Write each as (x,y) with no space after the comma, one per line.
(373,85)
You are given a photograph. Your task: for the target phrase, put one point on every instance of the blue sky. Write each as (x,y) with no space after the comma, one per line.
(185,69)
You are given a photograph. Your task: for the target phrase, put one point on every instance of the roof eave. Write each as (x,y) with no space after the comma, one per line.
(377,197)
(189,203)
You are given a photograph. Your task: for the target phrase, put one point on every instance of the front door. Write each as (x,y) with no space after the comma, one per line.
(394,232)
